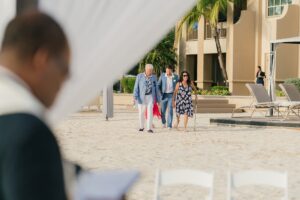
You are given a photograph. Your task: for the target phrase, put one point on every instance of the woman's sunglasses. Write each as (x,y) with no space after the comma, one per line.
(185,75)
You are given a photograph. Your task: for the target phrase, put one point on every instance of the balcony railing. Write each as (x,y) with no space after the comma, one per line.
(192,34)
(222,27)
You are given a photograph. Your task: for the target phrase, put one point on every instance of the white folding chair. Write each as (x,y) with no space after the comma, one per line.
(184,176)
(251,177)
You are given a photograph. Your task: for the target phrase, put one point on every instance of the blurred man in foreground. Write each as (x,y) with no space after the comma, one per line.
(34,63)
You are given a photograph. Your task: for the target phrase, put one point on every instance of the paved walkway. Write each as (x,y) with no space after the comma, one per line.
(98,144)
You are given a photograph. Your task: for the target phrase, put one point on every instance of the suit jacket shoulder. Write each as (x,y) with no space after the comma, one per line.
(30,160)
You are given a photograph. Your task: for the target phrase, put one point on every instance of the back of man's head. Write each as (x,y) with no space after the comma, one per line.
(32,31)
(36,49)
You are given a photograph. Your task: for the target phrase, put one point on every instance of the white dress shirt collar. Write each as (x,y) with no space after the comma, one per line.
(169,76)
(16,96)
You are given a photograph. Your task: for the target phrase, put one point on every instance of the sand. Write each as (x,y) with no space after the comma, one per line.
(97,144)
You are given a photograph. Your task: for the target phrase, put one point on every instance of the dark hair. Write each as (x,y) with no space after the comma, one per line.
(189,78)
(259,67)
(34,30)
(169,67)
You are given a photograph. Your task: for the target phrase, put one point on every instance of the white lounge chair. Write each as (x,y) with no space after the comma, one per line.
(184,176)
(264,178)
(293,95)
(261,100)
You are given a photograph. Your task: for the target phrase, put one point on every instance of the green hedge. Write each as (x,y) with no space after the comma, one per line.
(215,90)
(127,84)
(295,81)
(279,93)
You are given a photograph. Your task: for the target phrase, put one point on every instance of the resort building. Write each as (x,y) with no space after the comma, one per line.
(245,41)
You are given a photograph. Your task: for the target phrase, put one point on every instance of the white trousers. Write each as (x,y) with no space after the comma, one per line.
(148,103)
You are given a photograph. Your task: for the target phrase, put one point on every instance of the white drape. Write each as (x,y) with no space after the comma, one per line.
(107,37)
(7,12)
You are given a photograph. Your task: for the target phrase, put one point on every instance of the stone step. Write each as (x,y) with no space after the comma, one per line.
(212,101)
(216,105)
(214,110)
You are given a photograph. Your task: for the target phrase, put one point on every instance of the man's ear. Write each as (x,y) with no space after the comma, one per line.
(40,60)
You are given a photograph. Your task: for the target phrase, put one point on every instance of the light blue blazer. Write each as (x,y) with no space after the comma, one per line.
(139,91)
(162,82)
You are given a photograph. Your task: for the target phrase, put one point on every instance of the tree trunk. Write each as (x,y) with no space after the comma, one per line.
(220,56)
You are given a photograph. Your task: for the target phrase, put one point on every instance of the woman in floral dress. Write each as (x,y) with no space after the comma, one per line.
(182,100)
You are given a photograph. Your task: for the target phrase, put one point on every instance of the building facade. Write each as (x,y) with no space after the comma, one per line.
(245,43)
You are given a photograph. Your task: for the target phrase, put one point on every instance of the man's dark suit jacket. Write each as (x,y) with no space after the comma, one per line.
(30,161)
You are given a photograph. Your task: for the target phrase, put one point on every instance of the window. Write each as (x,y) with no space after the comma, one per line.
(222,27)
(193,32)
(275,7)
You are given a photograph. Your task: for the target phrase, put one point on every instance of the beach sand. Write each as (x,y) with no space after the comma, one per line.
(97,144)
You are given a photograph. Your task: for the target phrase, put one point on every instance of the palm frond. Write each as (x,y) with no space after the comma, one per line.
(214,14)
(190,18)
(161,55)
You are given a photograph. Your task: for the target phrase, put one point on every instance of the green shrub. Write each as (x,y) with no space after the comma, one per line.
(220,90)
(279,93)
(205,92)
(215,90)
(295,81)
(127,84)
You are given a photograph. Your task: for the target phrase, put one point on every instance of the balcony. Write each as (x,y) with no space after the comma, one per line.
(192,33)
(222,27)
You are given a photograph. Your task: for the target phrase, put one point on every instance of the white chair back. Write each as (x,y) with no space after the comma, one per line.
(266,178)
(259,92)
(290,91)
(184,176)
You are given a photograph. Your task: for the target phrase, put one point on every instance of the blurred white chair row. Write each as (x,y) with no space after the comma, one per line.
(235,180)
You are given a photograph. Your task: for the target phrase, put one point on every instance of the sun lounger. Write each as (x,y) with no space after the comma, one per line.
(261,100)
(293,95)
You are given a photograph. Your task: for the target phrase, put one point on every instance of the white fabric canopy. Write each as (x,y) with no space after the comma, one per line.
(7,12)
(107,38)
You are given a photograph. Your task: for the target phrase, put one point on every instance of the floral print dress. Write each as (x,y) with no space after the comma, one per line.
(184,103)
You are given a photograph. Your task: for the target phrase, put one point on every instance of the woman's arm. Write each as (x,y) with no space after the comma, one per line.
(175,93)
(195,89)
(193,86)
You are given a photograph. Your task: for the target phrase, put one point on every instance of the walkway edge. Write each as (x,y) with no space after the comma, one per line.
(253,122)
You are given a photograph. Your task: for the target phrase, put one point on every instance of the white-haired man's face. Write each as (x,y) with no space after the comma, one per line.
(148,70)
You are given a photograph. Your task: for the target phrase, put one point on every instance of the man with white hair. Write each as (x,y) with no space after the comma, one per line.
(145,94)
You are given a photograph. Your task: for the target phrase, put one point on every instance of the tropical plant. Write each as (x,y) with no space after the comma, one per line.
(127,84)
(279,93)
(211,11)
(215,90)
(294,81)
(160,56)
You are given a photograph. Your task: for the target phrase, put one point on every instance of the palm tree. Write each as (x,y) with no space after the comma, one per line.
(210,10)
(161,55)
